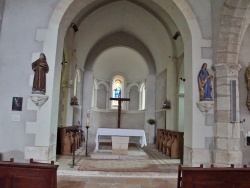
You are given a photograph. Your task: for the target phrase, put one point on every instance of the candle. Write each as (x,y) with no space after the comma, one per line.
(88,122)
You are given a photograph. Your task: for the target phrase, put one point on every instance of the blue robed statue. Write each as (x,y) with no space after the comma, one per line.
(205,83)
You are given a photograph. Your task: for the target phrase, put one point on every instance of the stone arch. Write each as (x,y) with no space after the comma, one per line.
(105,99)
(107,91)
(120,39)
(103,83)
(60,20)
(131,85)
(128,90)
(232,28)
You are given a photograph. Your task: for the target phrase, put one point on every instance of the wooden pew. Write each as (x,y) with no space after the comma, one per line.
(170,143)
(24,175)
(214,177)
(65,140)
(159,135)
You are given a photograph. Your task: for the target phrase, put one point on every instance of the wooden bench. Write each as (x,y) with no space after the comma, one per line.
(27,175)
(213,177)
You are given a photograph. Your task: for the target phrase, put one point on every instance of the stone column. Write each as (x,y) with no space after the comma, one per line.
(172,95)
(150,107)
(227,135)
(88,82)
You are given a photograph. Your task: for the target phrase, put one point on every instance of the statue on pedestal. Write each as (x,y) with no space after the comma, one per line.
(205,84)
(74,101)
(40,68)
(247,77)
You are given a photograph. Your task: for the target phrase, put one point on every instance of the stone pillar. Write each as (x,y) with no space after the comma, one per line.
(150,107)
(67,111)
(227,135)
(172,90)
(2,3)
(88,82)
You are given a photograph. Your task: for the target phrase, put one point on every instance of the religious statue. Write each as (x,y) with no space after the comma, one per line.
(117,90)
(40,68)
(205,83)
(247,77)
(74,101)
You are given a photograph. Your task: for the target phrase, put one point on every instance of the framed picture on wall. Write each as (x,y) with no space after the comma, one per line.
(17,103)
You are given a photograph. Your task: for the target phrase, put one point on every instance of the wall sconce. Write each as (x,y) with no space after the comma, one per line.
(183,79)
(74,26)
(166,105)
(176,35)
(63,63)
(242,121)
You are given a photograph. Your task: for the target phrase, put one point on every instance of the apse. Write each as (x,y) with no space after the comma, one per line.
(120,60)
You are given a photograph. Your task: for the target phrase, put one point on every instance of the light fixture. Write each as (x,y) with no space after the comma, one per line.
(63,63)
(166,105)
(183,79)
(74,26)
(176,35)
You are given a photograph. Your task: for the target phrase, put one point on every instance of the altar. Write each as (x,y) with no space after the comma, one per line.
(121,133)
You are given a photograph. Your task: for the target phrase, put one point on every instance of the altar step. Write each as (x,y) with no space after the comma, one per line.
(107,154)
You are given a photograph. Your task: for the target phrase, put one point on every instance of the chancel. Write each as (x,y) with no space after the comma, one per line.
(192,54)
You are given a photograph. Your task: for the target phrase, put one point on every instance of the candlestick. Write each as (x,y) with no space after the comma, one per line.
(86,154)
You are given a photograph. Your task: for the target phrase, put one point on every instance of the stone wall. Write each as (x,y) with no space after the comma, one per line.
(17,44)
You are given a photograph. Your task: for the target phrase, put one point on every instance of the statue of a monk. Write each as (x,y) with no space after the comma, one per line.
(40,68)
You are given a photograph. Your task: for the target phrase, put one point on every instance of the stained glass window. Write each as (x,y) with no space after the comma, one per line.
(117,88)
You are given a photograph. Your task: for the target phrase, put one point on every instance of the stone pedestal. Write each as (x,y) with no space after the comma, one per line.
(38,99)
(205,106)
(120,145)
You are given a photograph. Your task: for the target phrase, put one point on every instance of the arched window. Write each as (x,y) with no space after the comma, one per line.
(117,89)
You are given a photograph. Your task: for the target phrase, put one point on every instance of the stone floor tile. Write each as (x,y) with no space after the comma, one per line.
(73,178)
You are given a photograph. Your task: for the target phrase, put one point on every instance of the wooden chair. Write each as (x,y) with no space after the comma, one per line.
(169,143)
(177,146)
(160,134)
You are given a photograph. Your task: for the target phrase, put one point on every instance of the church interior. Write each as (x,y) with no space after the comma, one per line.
(171,75)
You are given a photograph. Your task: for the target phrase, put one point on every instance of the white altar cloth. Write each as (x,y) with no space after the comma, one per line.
(120,132)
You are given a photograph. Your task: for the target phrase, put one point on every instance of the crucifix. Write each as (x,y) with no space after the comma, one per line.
(119,107)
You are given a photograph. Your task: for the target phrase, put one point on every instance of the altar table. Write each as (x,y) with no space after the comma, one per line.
(120,132)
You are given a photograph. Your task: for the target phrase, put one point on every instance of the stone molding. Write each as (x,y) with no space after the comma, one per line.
(38,99)
(205,106)
(228,66)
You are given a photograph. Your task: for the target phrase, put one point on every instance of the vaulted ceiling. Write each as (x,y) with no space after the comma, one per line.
(143,20)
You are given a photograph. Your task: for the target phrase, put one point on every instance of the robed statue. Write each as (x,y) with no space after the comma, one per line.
(247,78)
(205,83)
(40,68)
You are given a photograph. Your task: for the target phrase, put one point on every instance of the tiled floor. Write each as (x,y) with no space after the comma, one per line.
(70,177)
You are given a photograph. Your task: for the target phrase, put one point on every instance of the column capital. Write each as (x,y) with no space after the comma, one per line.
(228,66)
